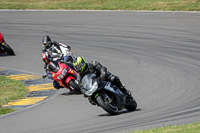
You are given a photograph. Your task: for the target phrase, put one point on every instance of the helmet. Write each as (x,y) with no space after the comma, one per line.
(46,57)
(47,42)
(79,64)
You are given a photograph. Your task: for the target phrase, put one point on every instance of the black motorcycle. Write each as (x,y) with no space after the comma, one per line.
(4,47)
(106,95)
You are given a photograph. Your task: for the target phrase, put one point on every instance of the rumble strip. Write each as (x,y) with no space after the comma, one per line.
(38,88)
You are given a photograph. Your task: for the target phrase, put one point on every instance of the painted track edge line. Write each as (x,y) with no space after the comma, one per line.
(36,104)
(60,91)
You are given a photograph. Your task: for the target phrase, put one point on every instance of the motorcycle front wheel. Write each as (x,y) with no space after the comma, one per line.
(8,49)
(72,83)
(111,109)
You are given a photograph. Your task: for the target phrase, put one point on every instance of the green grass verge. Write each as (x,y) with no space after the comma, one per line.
(189,128)
(10,90)
(165,5)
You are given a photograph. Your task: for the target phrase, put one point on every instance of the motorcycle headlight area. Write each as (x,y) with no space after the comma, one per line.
(62,75)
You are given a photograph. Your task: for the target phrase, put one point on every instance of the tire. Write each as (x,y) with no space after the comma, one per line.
(106,107)
(131,104)
(8,49)
(74,85)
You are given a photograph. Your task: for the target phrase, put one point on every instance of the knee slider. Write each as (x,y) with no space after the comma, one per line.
(114,78)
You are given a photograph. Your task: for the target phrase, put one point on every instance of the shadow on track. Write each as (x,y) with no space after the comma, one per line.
(121,112)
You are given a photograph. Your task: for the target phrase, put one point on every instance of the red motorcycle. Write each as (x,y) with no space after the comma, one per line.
(64,75)
(4,47)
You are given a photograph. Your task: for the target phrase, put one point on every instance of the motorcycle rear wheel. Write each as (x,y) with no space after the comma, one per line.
(8,49)
(74,85)
(106,107)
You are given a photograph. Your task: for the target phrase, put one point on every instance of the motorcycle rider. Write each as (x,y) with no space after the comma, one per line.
(55,49)
(4,47)
(94,67)
(50,66)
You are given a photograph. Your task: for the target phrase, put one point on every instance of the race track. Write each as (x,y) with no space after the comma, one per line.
(156,55)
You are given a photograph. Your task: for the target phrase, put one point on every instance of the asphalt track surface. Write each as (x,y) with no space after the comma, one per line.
(156,55)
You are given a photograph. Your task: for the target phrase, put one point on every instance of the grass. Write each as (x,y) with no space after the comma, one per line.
(164,5)
(189,128)
(10,90)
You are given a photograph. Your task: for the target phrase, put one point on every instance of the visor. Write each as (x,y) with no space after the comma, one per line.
(79,66)
(47,44)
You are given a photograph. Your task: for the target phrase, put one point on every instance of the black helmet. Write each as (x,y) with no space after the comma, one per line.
(47,42)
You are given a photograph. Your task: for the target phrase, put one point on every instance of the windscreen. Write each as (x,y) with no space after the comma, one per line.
(87,81)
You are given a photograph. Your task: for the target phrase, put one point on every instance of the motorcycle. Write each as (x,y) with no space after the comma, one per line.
(65,75)
(106,95)
(4,47)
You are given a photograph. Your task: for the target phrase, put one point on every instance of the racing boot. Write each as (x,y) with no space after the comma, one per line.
(125,91)
(115,80)
(57,85)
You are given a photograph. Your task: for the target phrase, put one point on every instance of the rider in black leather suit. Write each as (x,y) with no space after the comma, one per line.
(95,67)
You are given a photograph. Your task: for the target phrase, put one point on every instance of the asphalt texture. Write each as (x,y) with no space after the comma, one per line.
(155,54)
